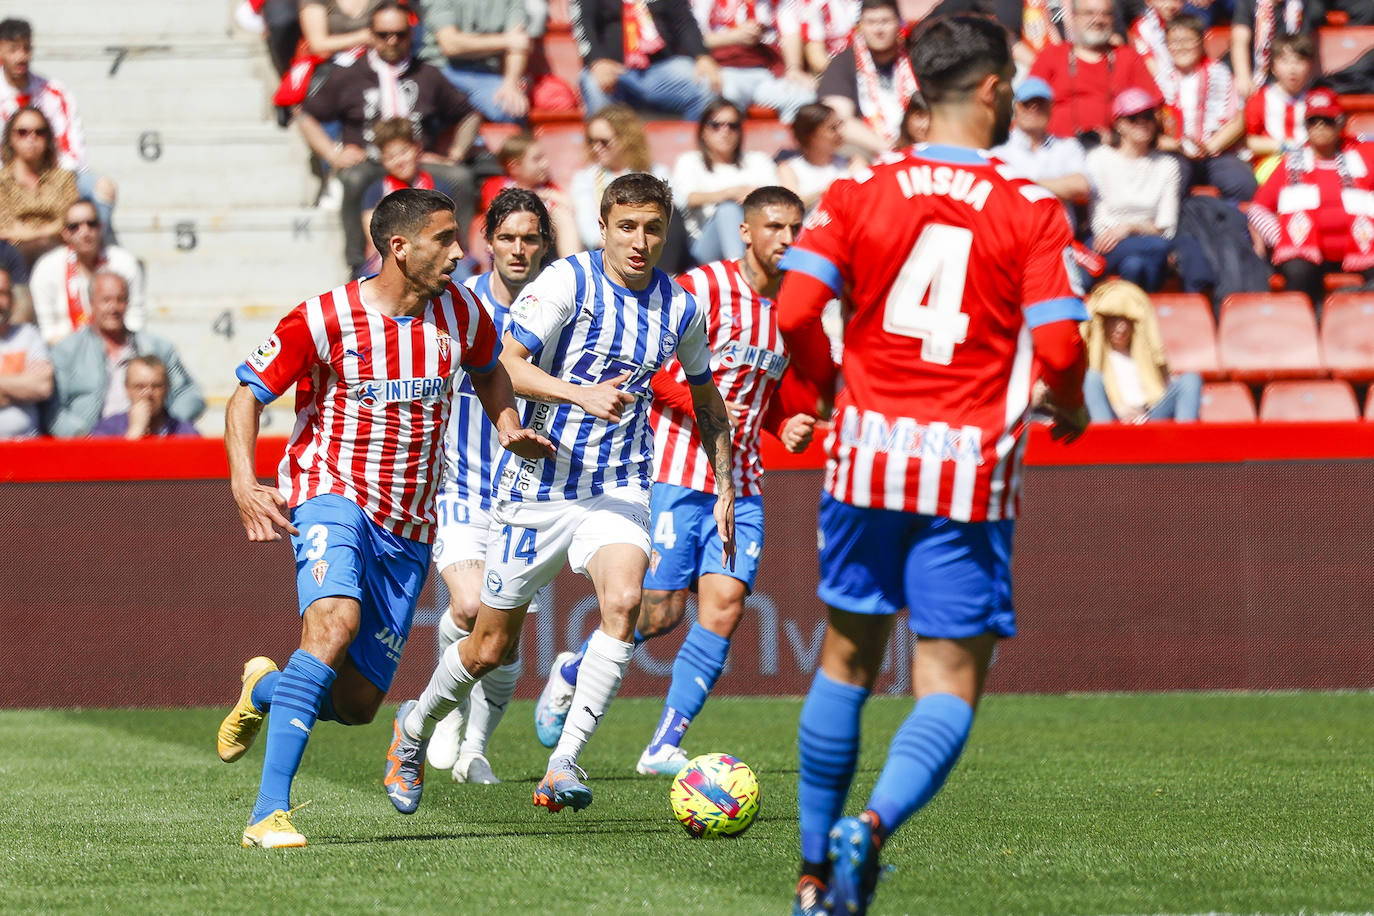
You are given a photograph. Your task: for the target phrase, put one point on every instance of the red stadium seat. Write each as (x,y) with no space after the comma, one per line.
(566,147)
(1353,104)
(1227,402)
(1347,335)
(1339,48)
(769,136)
(564,62)
(1217,41)
(1309,400)
(1190,336)
(668,140)
(1264,336)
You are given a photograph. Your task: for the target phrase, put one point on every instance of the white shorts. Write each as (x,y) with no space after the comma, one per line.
(463,531)
(530,541)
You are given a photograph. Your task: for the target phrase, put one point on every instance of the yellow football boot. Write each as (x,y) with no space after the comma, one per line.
(240,727)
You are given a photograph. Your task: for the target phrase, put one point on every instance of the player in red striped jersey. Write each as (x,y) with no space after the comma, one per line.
(960,281)
(373,364)
(747,363)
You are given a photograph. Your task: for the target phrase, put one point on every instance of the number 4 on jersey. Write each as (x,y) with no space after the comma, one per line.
(926,300)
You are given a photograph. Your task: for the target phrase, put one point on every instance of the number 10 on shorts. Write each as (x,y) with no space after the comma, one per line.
(523,548)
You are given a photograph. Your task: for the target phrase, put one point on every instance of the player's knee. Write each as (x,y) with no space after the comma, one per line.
(463,611)
(622,602)
(723,621)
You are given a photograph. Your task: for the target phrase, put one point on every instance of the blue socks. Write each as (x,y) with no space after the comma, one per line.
(695,671)
(923,751)
(574,664)
(264,689)
(828,741)
(300,690)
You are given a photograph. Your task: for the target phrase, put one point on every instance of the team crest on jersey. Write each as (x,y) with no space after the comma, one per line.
(667,345)
(494,582)
(267,351)
(442,339)
(318,571)
(654,559)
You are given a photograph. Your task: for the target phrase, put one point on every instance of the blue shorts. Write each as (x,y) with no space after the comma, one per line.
(686,545)
(342,552)
(954,577)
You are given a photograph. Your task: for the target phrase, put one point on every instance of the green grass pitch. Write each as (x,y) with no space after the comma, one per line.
(1180,803)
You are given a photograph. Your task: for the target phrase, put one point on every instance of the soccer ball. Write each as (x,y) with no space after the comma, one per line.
(715,795)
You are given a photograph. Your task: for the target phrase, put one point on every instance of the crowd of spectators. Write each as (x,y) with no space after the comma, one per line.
(1118,110)
(75,359)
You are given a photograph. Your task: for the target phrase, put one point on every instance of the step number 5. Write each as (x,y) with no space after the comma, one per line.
(927,298)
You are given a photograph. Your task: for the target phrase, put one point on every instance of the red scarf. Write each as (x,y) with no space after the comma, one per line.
(1178,109)
(422,180)
(1264,33)
(1147,37)
(883,113)
(78,288)
(1298,232)
(642,40)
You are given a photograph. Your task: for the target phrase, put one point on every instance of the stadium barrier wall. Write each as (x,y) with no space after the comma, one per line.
(1148,558)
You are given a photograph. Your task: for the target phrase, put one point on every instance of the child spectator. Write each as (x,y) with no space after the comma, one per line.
(710,183)
(1316,210)
(1202,117)
(399,152)
(1134,209)
(868,84)
(818,162)
(25,370)
(61,280)
(1256,26)
(35,191)
(755,68)
(1275,114)
(1128,376)
(526,165)
(1148,37)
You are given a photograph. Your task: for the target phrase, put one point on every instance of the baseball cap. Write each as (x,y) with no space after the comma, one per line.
(1133,101)
(1323,103)
(1033,87)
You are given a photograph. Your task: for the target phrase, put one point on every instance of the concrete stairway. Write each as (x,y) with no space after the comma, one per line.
(214,197)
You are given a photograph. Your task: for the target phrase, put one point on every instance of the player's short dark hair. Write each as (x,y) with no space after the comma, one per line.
(1303,45)
(389,6)
(514,149)
(518,200)
(402,213)
(151,361)
(16,30)
(771,195)
(1187,21)
(950,55)
(879,5)
(635,189)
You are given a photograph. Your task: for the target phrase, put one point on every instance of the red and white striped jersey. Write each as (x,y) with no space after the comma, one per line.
(373,395)
(747,360)
(1271,112)
(949,261)
(58,107)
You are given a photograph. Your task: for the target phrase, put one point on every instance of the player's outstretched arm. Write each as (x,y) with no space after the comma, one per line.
(497,395)
(713,424)
(604,400)
(261,508)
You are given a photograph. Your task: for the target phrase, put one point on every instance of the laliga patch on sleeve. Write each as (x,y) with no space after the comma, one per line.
(267,351)
(523,308)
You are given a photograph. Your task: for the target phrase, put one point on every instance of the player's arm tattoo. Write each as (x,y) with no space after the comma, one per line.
(713,423)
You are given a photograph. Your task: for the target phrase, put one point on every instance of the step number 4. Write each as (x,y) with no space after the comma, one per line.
(927,297)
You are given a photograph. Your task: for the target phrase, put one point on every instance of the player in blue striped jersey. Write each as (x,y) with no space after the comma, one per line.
(520,234)
(583,342)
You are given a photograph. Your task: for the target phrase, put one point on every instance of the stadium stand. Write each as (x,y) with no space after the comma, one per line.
(1338,48)
(566,147)
(1265,336)
(1188,332)
(668,140)
(1347,336)
(1226,402)
(768,135)
(1309,400)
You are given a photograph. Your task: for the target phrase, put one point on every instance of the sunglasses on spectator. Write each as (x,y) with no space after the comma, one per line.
(392,36)
(1322,120)
(30,131)
(720,125)
(1141,117)
(88,223)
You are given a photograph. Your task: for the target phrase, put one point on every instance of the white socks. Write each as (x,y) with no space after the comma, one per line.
(448,687)
(449,632)
(602,669)
(487,705)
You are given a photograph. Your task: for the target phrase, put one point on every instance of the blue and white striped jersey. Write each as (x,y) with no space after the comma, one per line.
(471,447)
(582,328)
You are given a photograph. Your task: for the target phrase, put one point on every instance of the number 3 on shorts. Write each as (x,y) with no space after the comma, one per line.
(524,548)
(663,530)
(318,536)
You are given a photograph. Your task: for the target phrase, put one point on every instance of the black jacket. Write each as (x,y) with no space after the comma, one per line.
(600,32)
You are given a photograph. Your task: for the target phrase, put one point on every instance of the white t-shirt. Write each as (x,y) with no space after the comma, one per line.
(813,179)
(1127,375)
(48,286)
(1140,190)
(690,176)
